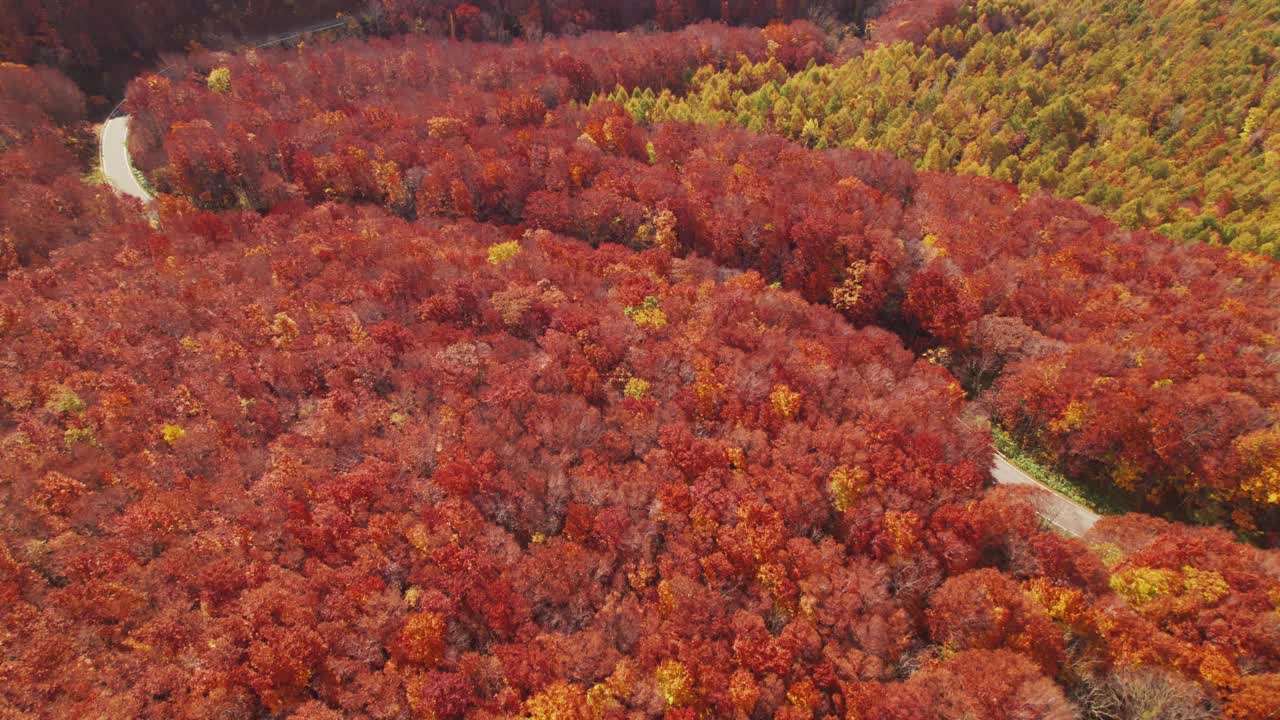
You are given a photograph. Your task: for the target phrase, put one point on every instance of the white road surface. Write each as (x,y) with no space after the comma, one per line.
(115,159)
(1059,511)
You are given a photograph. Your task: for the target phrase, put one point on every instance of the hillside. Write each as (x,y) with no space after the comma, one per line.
(1164,114)
(1142,365)
(434,385)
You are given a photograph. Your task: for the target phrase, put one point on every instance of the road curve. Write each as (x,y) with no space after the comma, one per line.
(115,160)
(1059,511)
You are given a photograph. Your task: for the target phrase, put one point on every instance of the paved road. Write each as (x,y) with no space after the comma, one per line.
(115,159)
(1056,509)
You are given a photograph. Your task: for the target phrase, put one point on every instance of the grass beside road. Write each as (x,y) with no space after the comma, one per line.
(1101,502)
(94,176)
(142,180)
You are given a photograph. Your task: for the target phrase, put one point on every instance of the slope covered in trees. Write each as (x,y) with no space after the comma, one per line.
(330,463)
(1165,114)
(431,392)
(45,145)
(102,44)
(365,120)
(1138,364)
(507,19)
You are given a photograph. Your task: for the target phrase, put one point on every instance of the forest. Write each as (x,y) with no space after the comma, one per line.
(1069,328)
(1163,114)
(528,360)
(102,44)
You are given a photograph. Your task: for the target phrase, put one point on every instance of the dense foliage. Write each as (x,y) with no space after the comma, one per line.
(372,120)
(432,389)
(102,44)
(44,146)
(507,19)
(1137,364)
(329,463)
(1165,114)
(878,21)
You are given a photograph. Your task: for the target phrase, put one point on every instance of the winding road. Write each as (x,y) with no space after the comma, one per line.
(1061,512)
(1057,510)
(115,160)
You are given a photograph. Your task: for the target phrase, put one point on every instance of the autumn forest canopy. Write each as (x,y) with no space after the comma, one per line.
(573,360)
